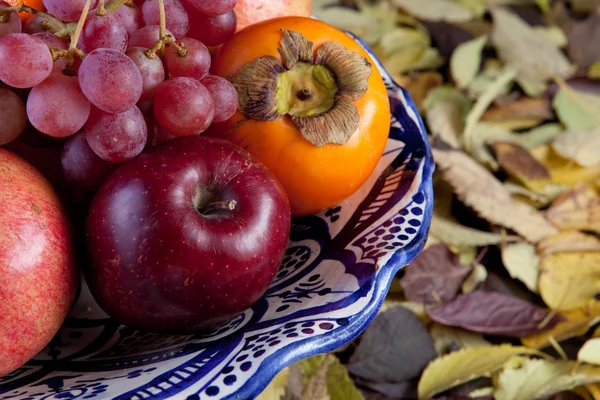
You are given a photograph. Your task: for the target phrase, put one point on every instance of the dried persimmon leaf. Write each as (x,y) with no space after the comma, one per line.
(455,234)
(479,189)
(436,10)
(465,365)
(521,261)
(590,352)
(493,313)
(446,339)
(465,61)
(578,208)
(518,162)
(581,146)
(569,241)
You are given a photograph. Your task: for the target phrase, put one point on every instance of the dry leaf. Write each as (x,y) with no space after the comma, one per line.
(594,71)
(455,234)
(435,275)
(553,34)
(402,48)
(479,189)
(464,365)
(431,59)
(569,280)
(594,390)
(576,323)
(535,59)
(446,339)
(492,68)
(478,6)
(465,61)
(562,170)
(528,378)
(419,86)
(581,35)
(518,162)
(339,384)
(521,261)
(436,10)
(483,102)
(583,147)
(519,113)
(590,352)
(316,388)
(568,241)
(576,109)
(446,109)
(578,209)
(493,313)
(477,276)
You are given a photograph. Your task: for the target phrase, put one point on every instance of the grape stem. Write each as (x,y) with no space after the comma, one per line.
(163,38)
(101,10)
(52,24)
(113,5)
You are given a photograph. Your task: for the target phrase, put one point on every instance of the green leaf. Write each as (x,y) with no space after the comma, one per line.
(464,365)
(310,366)
(535,58)
(577,109)
(316,388)
(544,5)
(525,378)
(465,61)
(276,388)
(594,71)
(436,10)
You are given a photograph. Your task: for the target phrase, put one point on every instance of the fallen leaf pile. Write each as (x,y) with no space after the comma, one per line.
(504,303)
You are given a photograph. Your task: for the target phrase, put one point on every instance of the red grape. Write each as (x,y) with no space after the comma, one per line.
(67,10)
(183,106)
(25,60)
(211,7)
(213,31)
(13,25)
(57,107)
(110,80)
(224,96)
(175,15)
(131,17)
(116,137)
(194,64)
(13,118)
(54,42)
(103,31)
(81,166)
(146,37)
(152,70)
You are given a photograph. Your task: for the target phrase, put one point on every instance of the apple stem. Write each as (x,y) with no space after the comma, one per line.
(223,205)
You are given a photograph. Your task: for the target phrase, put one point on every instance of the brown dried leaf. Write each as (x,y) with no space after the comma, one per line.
(581,35)
(578,209)
(454,234)
(562,170)
(583,146)
(479,189)
(420,84)
(446,339)
(518,162)
(524,108)
(436,274)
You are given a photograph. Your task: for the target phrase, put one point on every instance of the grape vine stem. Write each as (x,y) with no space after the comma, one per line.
(163,38)
(54,25)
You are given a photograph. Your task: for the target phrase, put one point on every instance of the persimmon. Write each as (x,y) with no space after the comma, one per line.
(312,107)
(37,4)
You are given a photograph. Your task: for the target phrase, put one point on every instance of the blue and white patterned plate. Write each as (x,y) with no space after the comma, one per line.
(334,277)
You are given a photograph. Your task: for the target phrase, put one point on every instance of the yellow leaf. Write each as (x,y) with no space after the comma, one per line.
(544,5)
(582,147)
(454,234)
(569,280)
(590,352)
(436,10)
(316,387)
(478,6)
(594,70)
(596,333)
(521,261)
(276,388)
(464,365)
(446,338)
(576,109)
(518,162)
(536,59)
(579,208)
(478,274)
(577,322)
(339,384)
(594,390)
(568,241)
(536,378)
(479,189)
(564,171)
(465,61)
(553,34)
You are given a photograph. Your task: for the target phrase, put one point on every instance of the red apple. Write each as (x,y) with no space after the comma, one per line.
(186,236)
(249,12)
(37,266)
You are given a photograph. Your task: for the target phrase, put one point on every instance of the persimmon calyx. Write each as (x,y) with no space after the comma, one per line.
(315,90)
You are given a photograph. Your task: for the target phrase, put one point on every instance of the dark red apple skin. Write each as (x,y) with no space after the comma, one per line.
(158,264)
(38,277)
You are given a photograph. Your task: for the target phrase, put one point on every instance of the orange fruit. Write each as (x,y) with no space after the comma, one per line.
(37,4)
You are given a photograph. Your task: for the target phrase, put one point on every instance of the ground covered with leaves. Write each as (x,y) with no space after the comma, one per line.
(504,302)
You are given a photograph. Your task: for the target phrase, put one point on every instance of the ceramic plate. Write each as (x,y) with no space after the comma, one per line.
(333,279)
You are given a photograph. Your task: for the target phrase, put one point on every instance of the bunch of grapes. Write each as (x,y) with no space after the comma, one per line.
(133,74)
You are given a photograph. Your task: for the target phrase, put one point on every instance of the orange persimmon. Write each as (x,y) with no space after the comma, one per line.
(313,108)
(37,4)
